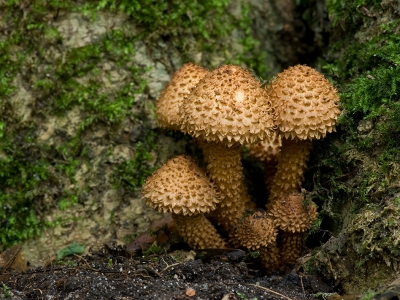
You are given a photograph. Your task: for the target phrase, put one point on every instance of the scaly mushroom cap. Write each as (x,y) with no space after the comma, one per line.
(175,92)
(180,187)
(228,105)
(306,103)
(257,230)
(268,149)
(292,214)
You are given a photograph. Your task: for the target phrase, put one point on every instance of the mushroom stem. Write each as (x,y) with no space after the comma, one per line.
(291,164)
(198,232)
(226,171)
(292,245)
(270,257)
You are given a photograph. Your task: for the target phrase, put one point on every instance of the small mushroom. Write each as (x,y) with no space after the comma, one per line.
(255,231)
(294,216)
(227,109)
(182,82)
(181,188)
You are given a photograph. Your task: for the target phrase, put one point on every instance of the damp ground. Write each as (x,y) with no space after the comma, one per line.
(113,273)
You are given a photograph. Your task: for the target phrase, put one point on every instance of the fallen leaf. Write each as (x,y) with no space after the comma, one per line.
(72,249)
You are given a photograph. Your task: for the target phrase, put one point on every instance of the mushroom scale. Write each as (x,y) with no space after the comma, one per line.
(268,149)
(290,167)
(173,95)
(270,258)
(181,188)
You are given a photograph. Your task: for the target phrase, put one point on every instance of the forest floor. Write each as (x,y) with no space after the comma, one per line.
(112,274)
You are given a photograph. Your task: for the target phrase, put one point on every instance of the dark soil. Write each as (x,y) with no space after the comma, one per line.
(113,274)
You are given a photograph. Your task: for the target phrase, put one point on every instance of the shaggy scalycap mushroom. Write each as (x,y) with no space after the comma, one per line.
(175,92)
(307,107)
(225,110)
(255,231)
(292,214)
(181,188)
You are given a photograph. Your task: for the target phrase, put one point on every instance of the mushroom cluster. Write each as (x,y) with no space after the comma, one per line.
(224,110)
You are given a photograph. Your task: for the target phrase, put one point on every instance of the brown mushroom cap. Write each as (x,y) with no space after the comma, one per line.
(255,231)
(292,214)
(175,92)
(180,187)
(228,105)
(306,103)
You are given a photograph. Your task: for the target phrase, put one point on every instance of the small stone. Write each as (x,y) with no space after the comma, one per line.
(190,292)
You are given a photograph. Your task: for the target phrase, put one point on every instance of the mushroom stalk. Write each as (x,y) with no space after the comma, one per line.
(226,171)
(290,168)
(206,238)
(292,245)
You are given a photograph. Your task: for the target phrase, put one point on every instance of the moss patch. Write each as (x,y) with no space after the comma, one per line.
(355,173)
(61,94)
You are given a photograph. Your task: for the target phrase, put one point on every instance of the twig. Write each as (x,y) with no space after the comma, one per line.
(302,286)
(267,289)
(91,268)
(168,266)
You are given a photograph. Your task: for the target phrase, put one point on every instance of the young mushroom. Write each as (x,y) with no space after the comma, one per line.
(256,231)
(307,106)
(293,216)
(226,110)
(181,188)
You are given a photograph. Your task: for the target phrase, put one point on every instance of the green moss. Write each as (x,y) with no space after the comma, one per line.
(172,17)
(70,78)
(374,233)
(132,173)
(367,73)
(354,173)
(348,12)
